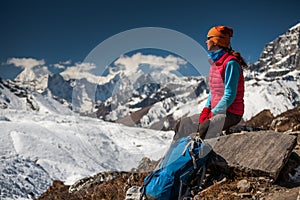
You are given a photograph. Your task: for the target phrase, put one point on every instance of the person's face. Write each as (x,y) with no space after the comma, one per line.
(211,46)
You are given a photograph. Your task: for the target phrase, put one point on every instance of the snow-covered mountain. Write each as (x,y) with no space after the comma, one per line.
(280,56)
(35,78)
(124,93)
(154,99)
(132,94)
(273,81)
(48,141)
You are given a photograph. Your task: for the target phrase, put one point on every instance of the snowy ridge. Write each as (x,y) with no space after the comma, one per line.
(71,147)
(48,141)
(278,96)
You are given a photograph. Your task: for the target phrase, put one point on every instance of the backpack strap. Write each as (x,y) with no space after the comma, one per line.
(195,140)
(202,175)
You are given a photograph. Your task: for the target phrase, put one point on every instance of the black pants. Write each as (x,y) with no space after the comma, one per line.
(208,129)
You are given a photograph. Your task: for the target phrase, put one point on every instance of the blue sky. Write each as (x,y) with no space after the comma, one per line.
(60,31)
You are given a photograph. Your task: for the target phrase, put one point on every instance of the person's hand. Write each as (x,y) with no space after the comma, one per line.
(205,114)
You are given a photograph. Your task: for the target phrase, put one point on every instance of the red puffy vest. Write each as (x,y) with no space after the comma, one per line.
(216,83)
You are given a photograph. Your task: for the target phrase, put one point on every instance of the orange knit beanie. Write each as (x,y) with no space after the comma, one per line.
(220,35)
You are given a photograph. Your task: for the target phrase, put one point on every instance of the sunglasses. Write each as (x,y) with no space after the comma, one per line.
(209,37)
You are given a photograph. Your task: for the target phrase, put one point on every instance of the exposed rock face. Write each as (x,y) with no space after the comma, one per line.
(273,81)
(12,95)
(282,53)
(134,118)
(285,122)
(262,120)
(60,88)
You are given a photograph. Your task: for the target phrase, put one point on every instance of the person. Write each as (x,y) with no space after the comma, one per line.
(225,103)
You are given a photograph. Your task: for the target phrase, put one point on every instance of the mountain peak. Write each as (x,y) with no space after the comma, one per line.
(35,78)
(281,53)
(297,26)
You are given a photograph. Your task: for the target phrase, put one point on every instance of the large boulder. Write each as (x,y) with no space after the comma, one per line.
(262,153)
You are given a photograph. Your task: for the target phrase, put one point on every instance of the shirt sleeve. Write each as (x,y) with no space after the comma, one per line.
(232,75)
(207,105)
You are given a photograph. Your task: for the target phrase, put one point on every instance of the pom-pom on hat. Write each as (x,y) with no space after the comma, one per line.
(220,35)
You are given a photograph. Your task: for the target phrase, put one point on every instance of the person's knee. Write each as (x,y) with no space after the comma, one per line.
(202,128)
(184,127)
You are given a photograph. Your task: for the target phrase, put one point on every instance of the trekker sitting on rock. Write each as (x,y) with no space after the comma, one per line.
(225,104)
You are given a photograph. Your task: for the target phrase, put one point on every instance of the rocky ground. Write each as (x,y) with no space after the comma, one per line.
(115,188)
(217,185)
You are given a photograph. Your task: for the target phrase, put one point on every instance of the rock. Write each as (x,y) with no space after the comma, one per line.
(290,173)
(3,118)
(165,124)
(57,191)
(290,194)
(97,179)
(243,186)
(134,118)
(133,193)
(262,120)
(287,121)
(146,165)
(256,153)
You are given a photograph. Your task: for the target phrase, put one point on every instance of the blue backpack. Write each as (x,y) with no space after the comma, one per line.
(183,163)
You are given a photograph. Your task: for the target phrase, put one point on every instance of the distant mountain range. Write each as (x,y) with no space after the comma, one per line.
(156,99)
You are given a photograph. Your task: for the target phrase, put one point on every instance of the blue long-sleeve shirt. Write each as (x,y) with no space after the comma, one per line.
(232,74)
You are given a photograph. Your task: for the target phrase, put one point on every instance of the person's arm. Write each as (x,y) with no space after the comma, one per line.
(207,105)
(232,75)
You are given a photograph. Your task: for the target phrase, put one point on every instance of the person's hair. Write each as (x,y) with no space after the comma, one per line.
(238,56)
